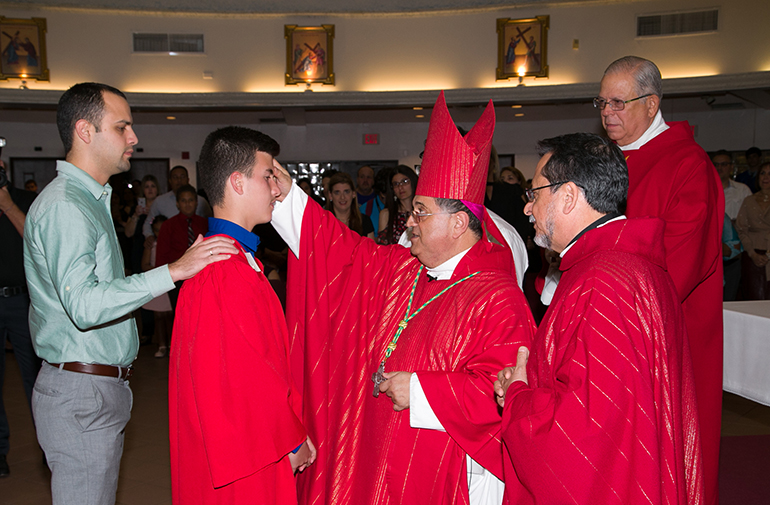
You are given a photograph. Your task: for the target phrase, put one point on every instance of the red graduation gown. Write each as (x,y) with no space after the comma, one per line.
(233,412)
(671,177)
(346,296)
(609,415)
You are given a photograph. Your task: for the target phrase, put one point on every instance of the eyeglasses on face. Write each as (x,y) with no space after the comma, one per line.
(531,192)
(402,182)
(723,163)
(419,216)
(615,103)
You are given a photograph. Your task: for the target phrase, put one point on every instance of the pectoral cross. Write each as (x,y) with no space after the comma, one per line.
(378,379)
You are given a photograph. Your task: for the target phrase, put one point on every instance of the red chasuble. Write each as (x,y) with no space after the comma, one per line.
(346,297)
(609,415)
(233,412)
(671,177)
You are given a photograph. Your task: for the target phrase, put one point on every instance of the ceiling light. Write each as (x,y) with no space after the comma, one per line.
(171,118)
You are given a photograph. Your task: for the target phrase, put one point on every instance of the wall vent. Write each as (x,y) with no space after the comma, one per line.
(675,24)
(168,43)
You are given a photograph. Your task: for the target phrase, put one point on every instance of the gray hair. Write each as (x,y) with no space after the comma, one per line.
(453,206)
(645,72)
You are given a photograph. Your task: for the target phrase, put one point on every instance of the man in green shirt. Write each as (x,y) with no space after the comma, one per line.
(81,301)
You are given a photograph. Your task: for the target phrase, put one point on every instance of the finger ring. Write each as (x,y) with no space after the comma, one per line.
(211,253)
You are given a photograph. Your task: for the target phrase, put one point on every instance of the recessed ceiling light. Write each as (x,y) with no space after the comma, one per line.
(416,108)
(515,106)
(420,115)
(171,118)
(520,114)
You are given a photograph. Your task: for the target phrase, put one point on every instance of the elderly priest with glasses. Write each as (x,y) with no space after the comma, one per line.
(671,177)
(397,352)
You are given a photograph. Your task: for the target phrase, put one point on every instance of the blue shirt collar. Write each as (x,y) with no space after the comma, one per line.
(248,240)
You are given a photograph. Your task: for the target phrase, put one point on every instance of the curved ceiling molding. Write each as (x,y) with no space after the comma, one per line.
(293,7)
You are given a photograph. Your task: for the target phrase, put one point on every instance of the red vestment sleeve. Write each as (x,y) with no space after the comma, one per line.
(601,420)
(690,245)
(237,355)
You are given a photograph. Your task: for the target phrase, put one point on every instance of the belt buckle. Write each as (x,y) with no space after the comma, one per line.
(7,292)
(129,372)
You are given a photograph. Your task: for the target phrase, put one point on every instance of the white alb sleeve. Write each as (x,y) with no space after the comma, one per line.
(421,414)
(287,217)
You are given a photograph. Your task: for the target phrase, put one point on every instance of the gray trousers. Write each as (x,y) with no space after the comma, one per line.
(80,420)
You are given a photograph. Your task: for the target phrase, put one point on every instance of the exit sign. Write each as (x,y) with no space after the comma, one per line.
(371,138)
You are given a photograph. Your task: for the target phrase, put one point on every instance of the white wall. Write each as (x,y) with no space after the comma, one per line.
(392,52)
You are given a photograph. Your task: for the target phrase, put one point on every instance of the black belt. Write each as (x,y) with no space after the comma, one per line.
(8,291)
(119,372)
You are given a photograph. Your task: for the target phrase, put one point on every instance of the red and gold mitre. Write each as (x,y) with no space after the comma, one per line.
(454,166)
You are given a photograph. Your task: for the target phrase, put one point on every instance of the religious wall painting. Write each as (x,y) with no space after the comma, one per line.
(309,54)
(522,47)
(23,49)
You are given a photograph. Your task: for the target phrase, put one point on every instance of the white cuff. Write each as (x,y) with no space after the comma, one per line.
(421,414)
(287,217)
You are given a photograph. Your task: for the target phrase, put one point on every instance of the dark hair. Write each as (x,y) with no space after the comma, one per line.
(515,171)
(593,163)
(382,179)
(391,203)
(753,150)
(721,152)
(186,189)
(454,206)
(305,180)
(355,222)
(227,150)
(159,219)
(81,101)
(329,172)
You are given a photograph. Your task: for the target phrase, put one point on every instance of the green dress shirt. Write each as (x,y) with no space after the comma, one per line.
(81,300)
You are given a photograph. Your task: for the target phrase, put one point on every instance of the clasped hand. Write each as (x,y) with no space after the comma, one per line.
(397,388)
(304,457)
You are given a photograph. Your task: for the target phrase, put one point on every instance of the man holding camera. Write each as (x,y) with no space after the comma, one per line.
(14,299)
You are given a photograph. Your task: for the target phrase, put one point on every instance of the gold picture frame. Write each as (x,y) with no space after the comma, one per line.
(23,49)
(309,54)
(522,47)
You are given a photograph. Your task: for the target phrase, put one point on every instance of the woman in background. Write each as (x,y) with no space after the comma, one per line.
(343,204)
(398,205)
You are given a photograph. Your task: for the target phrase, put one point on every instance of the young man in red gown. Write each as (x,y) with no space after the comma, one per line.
(234,413)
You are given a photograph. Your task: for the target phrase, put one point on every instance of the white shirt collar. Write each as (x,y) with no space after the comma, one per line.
(657,127)
(445,270)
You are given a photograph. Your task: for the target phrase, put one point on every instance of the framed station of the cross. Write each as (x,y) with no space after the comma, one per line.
(522,47)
